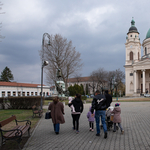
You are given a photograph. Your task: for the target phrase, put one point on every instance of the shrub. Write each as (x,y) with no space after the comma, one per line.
(24,102)
(84,97)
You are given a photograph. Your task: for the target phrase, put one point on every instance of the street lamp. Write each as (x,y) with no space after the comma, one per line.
(115,83)
(44,63)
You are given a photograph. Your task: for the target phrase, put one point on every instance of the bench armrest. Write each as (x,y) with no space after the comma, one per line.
(18,132)
(28,122)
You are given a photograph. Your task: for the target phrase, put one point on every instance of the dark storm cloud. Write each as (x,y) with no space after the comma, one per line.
(98,30)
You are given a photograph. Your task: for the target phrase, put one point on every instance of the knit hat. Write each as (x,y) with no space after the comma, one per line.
(117,104)
(70,98)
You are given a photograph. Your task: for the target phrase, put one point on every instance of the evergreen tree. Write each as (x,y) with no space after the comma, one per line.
(73,90)
(82,90)
(87,89)
(6,75)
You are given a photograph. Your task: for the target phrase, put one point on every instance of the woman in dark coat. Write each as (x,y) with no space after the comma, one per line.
(78,105)
(57,111)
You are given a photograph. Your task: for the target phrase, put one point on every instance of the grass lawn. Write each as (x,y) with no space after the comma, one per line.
(20,115)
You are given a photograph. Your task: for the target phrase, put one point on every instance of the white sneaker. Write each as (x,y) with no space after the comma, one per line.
(122,132)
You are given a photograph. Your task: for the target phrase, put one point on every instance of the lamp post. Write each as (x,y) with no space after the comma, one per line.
(113,84)
(116,91)
(44,63)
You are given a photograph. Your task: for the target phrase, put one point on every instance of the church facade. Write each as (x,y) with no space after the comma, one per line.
(137,67)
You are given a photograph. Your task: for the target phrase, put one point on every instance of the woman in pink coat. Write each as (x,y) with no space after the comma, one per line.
(117,118)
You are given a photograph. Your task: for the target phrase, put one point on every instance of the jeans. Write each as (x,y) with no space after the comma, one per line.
(56,127)
(98,114)
(119,124)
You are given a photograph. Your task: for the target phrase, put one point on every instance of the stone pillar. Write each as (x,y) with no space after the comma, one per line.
(135,81)
(143,81)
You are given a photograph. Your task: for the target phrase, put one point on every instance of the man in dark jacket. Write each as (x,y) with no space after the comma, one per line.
(99,104)
(108,98)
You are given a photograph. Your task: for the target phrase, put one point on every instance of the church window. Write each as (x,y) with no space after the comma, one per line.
(3,93)
(141,75)
(130,35)
(131,55)
(145,50)
(131,86)
(131,74)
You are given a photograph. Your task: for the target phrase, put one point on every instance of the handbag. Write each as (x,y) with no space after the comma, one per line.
(48,115)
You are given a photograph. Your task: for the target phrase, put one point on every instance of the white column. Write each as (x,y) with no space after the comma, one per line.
(143,81)
(134,81)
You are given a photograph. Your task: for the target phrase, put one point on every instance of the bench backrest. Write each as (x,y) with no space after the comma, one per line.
(6,121)
(33,107)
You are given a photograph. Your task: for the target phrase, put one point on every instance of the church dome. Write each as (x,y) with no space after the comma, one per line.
(133,29)
(148,34)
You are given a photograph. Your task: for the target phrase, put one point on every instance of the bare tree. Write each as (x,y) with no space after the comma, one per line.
(93,81)
(77,76)
(61,55)
(110,78)
(101,77)
(119,77)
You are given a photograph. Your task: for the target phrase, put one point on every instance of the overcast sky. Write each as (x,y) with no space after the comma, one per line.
(97,29)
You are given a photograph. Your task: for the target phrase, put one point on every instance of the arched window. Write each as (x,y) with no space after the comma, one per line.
(145,50)
(131,55)
(138,56)
(131,86)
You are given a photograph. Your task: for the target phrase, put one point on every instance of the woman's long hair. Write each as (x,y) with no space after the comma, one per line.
(56,99)
(78,96)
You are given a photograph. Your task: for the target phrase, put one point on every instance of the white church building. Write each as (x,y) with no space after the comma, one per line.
(137,67)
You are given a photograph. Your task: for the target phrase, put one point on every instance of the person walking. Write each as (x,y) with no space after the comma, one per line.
(90,117)
(78,105)
(117,119)
(57,112)
(99,104)
(108,98)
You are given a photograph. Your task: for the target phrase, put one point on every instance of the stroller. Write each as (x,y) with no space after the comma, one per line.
(109,118)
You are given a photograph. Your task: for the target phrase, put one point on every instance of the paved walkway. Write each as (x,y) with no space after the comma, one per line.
(135,121)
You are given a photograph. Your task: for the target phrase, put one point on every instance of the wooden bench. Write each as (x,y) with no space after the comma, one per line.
(35,111)
(16,133)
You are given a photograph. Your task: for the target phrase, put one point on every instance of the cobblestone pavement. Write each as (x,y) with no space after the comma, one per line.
(135,122)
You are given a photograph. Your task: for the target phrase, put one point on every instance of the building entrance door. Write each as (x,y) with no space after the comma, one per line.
(141,88)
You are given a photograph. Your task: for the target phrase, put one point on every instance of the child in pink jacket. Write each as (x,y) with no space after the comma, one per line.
(117,118)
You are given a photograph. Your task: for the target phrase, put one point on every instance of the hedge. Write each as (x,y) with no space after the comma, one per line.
(23,102)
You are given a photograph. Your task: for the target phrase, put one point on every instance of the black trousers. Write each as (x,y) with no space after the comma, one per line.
(75,118)
(91,124)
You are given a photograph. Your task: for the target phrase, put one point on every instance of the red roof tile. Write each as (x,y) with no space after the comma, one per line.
(18,84)
(81,79)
